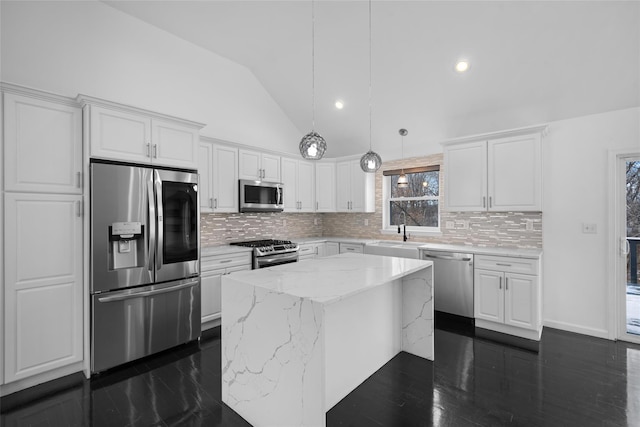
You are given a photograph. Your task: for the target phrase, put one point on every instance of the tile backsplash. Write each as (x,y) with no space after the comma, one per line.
(491,229)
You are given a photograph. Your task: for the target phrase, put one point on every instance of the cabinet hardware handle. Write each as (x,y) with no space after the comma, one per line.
(316,205)
(224,261)
(484,201)
(500,284)
(155,151)
(79,209)
(211,202)
(148,150)
(506,283)
(503,264)
(79,176)
(215,203)
(490,201)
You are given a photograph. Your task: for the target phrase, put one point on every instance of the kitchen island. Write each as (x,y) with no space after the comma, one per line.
(297,338)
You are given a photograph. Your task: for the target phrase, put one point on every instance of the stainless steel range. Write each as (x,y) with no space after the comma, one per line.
(267,253)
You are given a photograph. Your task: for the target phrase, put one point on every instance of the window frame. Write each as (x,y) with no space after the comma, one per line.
(386,199)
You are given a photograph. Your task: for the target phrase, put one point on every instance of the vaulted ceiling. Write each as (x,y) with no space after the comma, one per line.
(531,62)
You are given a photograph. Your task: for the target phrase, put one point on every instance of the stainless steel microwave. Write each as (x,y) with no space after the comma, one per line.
(260,196)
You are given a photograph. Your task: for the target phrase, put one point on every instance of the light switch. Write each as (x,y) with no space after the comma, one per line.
(589,228)
(366,222)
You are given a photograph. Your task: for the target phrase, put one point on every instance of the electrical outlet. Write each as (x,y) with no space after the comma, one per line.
(450,224)
(465,224)
(589,228)
(315,221)
(528,225)
(366,222)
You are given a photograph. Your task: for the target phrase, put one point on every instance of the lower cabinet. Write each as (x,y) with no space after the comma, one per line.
(507,295)
(213,267)
(311,250)
(43,286)
(357,248)
(332,248)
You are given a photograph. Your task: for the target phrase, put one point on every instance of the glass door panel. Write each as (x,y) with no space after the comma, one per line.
(633,245)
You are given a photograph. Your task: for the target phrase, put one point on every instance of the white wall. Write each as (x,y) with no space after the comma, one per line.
(90,48)
(576,184)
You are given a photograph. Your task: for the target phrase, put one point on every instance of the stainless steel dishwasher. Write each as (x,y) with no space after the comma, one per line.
(453,281)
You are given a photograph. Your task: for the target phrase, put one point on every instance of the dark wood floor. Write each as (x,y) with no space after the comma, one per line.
(573,380)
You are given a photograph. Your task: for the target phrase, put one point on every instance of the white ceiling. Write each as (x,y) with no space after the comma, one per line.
(531,62)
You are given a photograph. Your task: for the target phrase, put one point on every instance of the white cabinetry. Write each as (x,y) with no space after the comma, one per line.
(495,174)
(355,189)
(357,248)
(325,184)
(259,166)
(218,169)
(298,177)
(213,267)
(123,133)
(332,248)
(311,250)
(42,145)
(507,295)
(41,291)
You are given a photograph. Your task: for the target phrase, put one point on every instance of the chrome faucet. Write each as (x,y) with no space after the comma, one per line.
(404,227)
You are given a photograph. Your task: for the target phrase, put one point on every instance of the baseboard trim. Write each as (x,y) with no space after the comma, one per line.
(571,327)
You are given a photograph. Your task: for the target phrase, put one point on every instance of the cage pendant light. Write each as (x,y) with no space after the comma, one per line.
(312,145)
(403,182)
(370,161)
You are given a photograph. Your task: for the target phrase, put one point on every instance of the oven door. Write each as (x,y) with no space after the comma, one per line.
(272,260)
(178,225)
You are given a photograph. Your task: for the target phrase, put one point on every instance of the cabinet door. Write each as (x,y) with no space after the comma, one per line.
(307,251)
(515,174)
(270,168)
(205,167)
(290,181)
(250,166)
(43,146)
(332,248)
(174,144)
(43,312)
(343,187)
(210,296)
(119,135)
(321,249)
(488,295)
(225,179)
(325,186)
(357,180)
(521,301)
(466,177)
(306,186)
(351,248)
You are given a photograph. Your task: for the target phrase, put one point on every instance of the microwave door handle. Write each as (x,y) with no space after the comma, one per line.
(279,190)
(151,224)
(160,227)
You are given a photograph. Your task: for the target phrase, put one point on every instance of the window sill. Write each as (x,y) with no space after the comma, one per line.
(412,232)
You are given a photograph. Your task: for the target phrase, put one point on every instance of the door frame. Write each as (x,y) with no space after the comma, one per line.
(617,268)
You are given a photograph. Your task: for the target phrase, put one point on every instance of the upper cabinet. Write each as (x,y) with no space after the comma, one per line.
(355,189)
(502,173)
(122,133)
(259,166)
(298,177)
(218,169)
(325,185)
(43,144)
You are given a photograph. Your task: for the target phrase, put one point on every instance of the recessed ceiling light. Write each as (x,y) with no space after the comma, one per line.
(462,66)
(339,104)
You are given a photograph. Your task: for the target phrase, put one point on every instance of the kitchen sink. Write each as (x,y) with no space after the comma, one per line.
(393,248)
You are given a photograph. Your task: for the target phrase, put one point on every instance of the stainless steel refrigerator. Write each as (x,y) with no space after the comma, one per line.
(145,261)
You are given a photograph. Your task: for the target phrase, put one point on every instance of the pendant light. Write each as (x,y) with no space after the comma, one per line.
(312,145)
(403,182)
(370,161)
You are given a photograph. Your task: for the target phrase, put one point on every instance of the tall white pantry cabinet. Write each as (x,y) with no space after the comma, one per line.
(42,294)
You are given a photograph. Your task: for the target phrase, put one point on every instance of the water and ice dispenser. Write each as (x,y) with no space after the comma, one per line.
(127,248)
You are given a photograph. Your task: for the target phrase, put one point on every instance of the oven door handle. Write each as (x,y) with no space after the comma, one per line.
(277,259)
(125,295)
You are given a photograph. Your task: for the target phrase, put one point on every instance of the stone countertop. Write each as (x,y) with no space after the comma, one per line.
(303,240)
(330,279)
(223,250)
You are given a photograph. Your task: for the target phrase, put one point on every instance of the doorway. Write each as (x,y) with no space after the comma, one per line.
(632,246)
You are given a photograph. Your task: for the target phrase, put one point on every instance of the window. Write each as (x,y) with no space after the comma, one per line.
(417,204)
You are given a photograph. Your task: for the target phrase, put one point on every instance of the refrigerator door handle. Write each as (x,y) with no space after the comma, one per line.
(160,227)
(151,224)
(120,296)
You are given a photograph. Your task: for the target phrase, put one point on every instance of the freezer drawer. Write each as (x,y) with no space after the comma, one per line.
(130,324)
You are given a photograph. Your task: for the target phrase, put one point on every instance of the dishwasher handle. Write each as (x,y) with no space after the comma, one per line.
(447,257)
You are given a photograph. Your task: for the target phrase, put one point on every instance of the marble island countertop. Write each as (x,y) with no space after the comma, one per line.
(331,279)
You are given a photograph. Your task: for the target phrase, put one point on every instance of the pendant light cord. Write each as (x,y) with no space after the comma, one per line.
(370,75)
(313,66)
